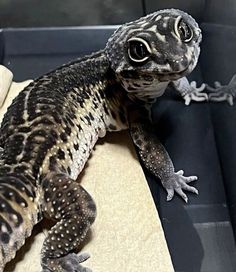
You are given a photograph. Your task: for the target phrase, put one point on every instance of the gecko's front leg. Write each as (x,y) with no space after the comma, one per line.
(190,91)
(158,162)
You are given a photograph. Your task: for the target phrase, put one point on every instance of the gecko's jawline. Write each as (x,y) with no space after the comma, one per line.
(173,76)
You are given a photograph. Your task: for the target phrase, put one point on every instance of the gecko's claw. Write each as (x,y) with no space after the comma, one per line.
(177,183)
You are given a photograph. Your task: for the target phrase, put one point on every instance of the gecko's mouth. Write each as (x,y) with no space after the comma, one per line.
(174,75)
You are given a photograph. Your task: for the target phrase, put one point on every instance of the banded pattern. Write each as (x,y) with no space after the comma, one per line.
(18,214)
(52,126)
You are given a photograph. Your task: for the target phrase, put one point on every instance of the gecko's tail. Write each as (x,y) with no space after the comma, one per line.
(18,214)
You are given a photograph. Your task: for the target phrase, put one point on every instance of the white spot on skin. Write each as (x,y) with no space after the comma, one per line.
(14,217)
(153,28)
(141,22)
(160,37)
(3,228)
(158,18)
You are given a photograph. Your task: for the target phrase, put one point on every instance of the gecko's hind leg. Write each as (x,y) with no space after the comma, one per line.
(74,210)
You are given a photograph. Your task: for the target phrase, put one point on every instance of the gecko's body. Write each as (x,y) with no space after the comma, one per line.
(50,129)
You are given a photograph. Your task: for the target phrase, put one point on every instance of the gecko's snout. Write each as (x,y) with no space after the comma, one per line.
(178,65)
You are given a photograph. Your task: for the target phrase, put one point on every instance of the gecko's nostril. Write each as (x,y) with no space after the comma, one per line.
(178,64)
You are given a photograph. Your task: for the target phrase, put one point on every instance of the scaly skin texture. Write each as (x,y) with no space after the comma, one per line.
(50,129)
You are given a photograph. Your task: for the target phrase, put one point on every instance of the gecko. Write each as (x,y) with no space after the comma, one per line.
(51,127)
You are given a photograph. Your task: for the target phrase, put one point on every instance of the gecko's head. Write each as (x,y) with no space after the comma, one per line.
(161,47)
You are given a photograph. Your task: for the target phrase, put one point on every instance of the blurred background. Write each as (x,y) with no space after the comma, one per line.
(48,13)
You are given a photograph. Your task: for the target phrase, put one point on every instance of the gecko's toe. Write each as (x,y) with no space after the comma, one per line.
(179,183)
(69,263)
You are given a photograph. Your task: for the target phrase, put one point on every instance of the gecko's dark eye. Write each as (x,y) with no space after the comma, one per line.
(183,30)
(138,50)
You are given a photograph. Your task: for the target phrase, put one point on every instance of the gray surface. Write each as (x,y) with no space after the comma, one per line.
(220,12)
(195,8)
(188,134)
(38,51)
(218,55)
(38,13)
(215,238)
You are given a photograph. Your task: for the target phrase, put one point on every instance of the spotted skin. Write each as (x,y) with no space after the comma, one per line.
(74,210)
(157,160)
(51,127)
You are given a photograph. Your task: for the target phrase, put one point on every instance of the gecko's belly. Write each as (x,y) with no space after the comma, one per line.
(80,156)
(71,155)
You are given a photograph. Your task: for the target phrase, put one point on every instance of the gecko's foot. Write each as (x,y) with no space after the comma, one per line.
(194,93)
(69,263)
(220,93)
(189,90)
(177,183)
(222,96)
